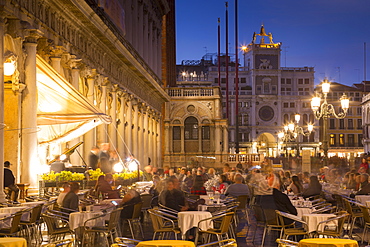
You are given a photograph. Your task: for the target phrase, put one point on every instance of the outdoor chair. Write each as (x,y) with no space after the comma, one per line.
(288,230)
(366,216)
(147,200)
(221,232)
(353,215)
(108,231)
(271,223)
(33,225)
(14,228)
(162,224)
(136,220)
(332,227)
(260,219)
(57,227)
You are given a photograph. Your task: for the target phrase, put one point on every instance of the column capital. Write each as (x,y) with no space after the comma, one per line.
(74,62)
(105,81)
(57,51)
(32,35)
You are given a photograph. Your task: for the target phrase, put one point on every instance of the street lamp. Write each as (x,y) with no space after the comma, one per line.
(324,110)
(293,130)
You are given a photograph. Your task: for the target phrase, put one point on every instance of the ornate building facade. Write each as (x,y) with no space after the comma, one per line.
(269,97)
(102,63)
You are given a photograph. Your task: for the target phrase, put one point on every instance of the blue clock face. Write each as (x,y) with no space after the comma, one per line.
(266,113)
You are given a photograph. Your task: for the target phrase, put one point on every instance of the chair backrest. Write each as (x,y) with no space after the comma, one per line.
(137,210)
(14,227)
(342,216)
(114,218)
(146,199)
(36,213)
(365,212)
(156,222)
(258,213)
(348,206)
(270,217)
(226,222)
(50,223)
(243,200)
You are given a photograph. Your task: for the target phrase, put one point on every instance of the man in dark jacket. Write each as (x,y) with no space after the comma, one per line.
(9,181)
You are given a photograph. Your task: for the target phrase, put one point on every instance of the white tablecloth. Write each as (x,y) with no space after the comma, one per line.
(190,219)
(314,219)
(302,211)
(13,210)
(363,198)
(77,219)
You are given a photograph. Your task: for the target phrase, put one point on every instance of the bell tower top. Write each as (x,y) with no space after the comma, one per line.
(262,36)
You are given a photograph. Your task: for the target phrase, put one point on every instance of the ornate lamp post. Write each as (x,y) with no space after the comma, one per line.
(324,110)
(293,130)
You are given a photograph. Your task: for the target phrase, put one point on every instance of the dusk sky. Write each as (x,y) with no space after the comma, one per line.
(326,34)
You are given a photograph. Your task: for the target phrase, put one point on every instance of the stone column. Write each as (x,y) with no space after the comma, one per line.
(167,134)
(139,153)
(159,141)
(121,110)
(146,152)
(56,57)
(182,139)
(102,133)
(217,130)
(113,113)
(135,123)
(29,160)
(90,136)
(200,150)
(75,159)
(74,65)
(150,137)
(225,140)
(2,35)
(129,125)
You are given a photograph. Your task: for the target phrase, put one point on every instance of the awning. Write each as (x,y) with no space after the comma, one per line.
(63,113)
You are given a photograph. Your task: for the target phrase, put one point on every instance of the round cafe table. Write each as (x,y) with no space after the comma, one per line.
(160,243)
(13,242)
(330,242)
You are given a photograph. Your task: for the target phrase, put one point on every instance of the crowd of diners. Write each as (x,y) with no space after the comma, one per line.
(264,185)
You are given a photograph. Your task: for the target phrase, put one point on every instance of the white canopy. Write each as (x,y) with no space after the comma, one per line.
(63,113)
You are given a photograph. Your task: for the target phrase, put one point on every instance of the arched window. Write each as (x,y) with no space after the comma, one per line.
(191,128)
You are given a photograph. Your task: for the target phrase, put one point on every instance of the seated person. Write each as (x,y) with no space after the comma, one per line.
(173,198)
(57,165)
(364,184)
(71,200)
(282,201)
(131,198)
(198,188)
(238,188)
(9,181)
(104,186)
(66,188)
(313,189)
